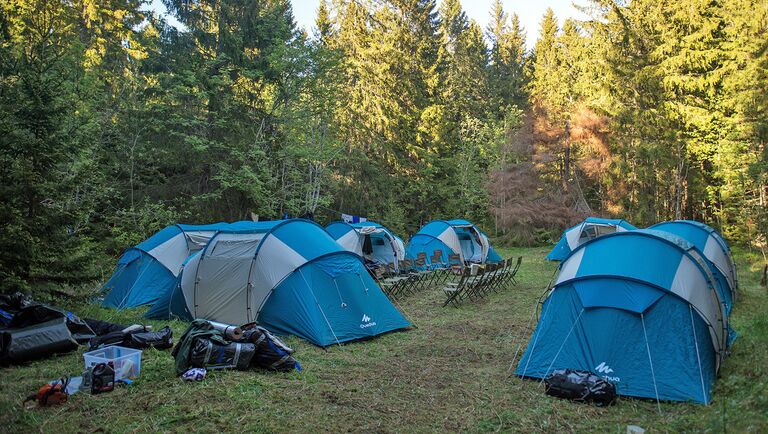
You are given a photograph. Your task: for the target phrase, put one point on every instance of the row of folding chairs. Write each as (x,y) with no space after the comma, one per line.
(491,278)
(414,276)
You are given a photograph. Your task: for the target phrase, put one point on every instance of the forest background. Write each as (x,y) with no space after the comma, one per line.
(114,124)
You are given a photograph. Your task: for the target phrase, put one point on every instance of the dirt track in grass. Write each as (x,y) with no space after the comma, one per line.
(449,373)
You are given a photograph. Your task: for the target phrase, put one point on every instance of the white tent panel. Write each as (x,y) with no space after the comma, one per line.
(222,278)
(449,238)
(196,240)
(714,252)
(274,262)
(351,241)
(691,285)
(188,278)
(569,268)
(172,253)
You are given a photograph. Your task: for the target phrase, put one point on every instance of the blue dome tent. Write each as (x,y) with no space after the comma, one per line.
(714,248)
(591,227)
(147,270)
(385,247)
(291,277)
(452,237)
(639,308)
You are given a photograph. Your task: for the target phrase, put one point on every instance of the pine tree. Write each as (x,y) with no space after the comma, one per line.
(507,75)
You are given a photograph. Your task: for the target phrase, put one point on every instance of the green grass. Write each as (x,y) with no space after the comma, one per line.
(447,374)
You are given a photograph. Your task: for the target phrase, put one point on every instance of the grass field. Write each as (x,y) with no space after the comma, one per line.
(449,373)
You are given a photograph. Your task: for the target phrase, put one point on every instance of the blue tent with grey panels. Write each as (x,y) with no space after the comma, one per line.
(289,276)
(714,248)
(369,240)
(590,228)
(639,308)
(458,237)
(149,269)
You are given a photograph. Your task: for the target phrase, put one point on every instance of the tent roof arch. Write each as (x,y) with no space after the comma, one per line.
(708,241)
(677,267)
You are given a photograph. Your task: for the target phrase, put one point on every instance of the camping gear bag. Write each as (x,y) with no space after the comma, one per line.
(212,355)
(140,339)
(36,341)
(580,386)
(271,353)
(161,340)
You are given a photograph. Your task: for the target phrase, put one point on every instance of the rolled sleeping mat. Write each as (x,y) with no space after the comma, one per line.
(232,332)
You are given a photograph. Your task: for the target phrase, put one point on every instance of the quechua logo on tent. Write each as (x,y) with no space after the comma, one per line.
(604,369)
(367,322)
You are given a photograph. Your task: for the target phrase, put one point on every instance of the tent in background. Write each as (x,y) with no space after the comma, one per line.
(714,248)
(291,277)
(369,240)
(638,308)
(590,228)
(147,270)
(452,237)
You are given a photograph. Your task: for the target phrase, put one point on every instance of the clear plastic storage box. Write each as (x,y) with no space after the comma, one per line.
(126,361)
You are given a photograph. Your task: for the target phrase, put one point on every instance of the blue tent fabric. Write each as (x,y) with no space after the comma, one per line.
(137,270)
(612,343)
(638,308)
(451,237)
(342,316)
(291,279)
(564,246)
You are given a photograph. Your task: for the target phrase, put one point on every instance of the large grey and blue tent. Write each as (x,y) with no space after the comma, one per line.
(639,308)
(289,276)
(714,248)
(591,227)
(458,237)
(369,240)
(149,269)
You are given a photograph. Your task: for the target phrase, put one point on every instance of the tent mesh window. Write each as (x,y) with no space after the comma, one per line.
(594,231)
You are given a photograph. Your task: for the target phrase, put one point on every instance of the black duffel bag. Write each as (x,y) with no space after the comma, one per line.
(271,353)
(161,339)
(580,386)
(211,355)
(139,339)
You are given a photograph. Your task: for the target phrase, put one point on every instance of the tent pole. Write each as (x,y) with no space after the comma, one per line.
(562,345)
(319,307)
(698,357)
(650,361)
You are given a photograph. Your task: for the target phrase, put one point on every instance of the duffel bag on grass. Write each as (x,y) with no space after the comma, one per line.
(580,386)
(211,355)
(271,353)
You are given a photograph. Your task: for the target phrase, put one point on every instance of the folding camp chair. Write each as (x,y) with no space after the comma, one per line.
(422,271)
(390,269)
(514,271)
(436,260)
(453,290)
(490,276)
(474,288)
